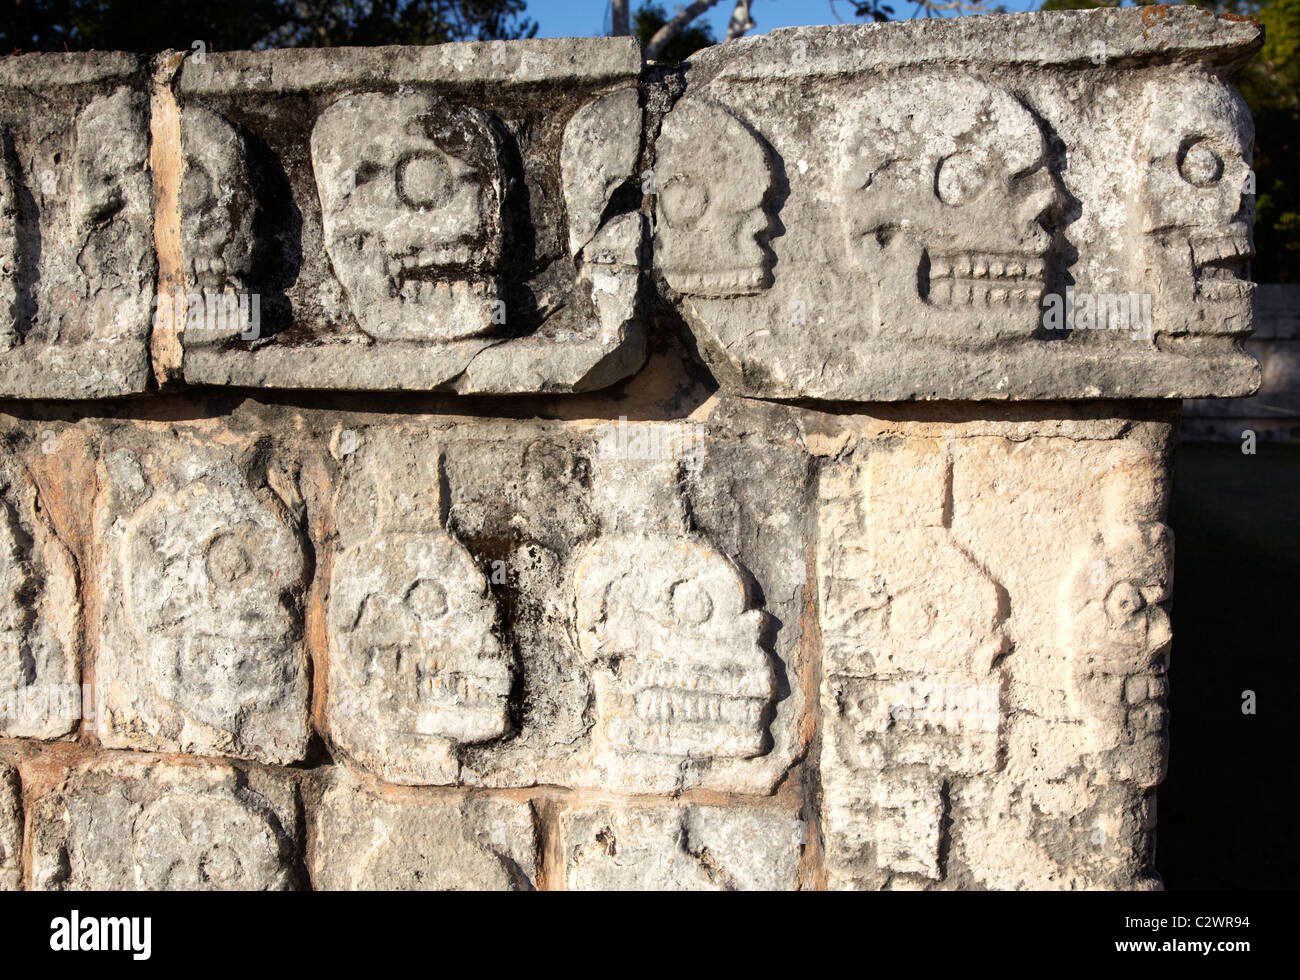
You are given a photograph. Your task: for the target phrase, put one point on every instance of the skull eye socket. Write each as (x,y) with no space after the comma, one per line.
(684,201)
(427,599)
(228,560)
(691,604)
(960,178)
(424,182)
(1123,602)
(1199,164)
(198,191)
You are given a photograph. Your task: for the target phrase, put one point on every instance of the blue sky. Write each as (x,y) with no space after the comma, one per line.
(588,18)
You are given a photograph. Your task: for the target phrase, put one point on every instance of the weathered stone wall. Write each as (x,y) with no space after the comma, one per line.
(501,466)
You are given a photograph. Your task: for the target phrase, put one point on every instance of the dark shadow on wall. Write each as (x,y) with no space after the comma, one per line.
(1227,805)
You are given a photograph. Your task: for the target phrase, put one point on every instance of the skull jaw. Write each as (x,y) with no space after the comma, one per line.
(1121,692)
(652,729)
(209,269)
(947,293)
(693,265)
(462,704)
(667,710)
(434,295)
(192,672)
(1125,715)
(1209,274)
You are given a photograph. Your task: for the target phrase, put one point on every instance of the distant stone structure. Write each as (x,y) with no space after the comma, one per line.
(332,560)
(1274,413)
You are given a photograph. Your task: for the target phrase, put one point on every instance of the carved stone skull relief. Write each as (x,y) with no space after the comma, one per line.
(414,634)
(40,616)
(217,206)
(111,190)
(713,178)
(210,573)
(411,193)
(947,204)
(185,841)
(678,666)
(1197,215)
(1119,639)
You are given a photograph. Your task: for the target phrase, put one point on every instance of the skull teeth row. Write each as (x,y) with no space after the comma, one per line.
(719,282)
(675,677)
(1147,718)
(1231,250)
(465,687)
(1224,288)
(949,293)
(719,743)
(418,291)
(665,706)
(426,260)
(985,267)
(208,269)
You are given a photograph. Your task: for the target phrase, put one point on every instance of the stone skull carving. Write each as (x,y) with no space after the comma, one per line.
(187,842)
(413,629)
(411,192)
(40,617)
(679,667)
(1196,213)
(112,192)
(947,202)
(217,206)
(1119,639)
(714,181)
(210,575)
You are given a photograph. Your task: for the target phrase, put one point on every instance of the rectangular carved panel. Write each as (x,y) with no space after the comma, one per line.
(465,218)
(77,264)
(956,210)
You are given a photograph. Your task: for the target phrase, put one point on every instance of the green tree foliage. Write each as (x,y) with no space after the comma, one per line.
(649,17)
(155,25)
(1271,84)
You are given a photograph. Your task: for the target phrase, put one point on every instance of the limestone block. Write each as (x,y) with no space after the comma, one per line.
(1028,706)
(219,248)
(681,848)
(677,636)
(601,144)
(144,825)
(885,212)
(508,606)
(703,683)
(40,616)
(202,567)
(671,616)
(411,220)
(361,840)
(11,830)
(76,226)
(417,664)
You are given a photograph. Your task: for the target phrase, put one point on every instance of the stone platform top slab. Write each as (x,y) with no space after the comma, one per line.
(1048,206)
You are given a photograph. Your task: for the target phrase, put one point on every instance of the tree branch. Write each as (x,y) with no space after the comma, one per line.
(619,18)
(671,29)
(740,20)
